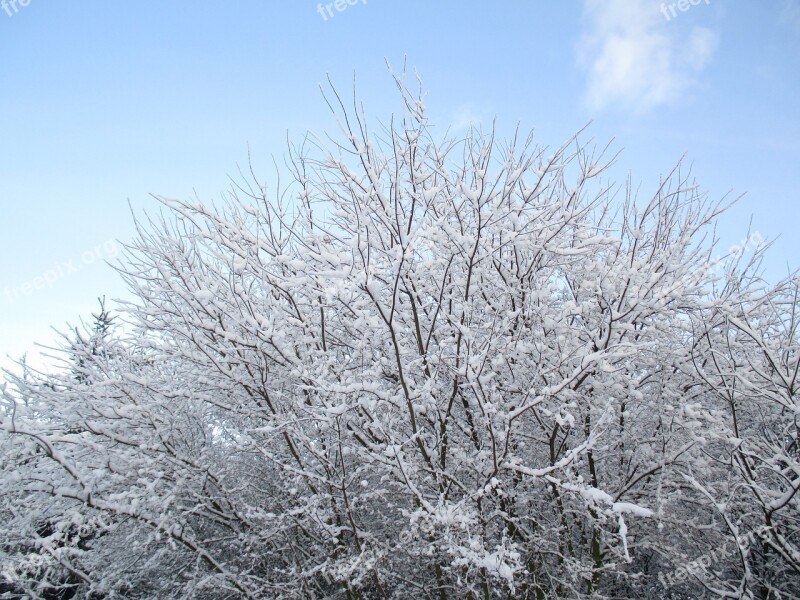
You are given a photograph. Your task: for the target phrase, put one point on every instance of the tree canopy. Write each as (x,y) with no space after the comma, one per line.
(428,367)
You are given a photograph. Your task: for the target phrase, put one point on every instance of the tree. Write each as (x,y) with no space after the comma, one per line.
(429,368)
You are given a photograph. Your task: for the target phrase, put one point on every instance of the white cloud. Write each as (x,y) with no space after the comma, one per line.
(465,117)
(635,58)
(700,47)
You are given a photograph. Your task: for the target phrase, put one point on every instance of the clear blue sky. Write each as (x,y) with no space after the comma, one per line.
(102,103)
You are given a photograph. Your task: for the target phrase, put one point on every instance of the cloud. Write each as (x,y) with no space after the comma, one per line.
(635,58)
(465,117)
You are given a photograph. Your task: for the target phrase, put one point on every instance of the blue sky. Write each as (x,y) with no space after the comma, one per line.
(103,103)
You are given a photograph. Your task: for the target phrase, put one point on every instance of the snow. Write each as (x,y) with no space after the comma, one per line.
(286,418)
(631,509)
(204,295)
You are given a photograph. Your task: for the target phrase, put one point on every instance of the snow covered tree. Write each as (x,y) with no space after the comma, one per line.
(747,357)
(435,368)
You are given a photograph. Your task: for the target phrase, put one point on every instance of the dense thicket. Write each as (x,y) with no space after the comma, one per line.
(428,368)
